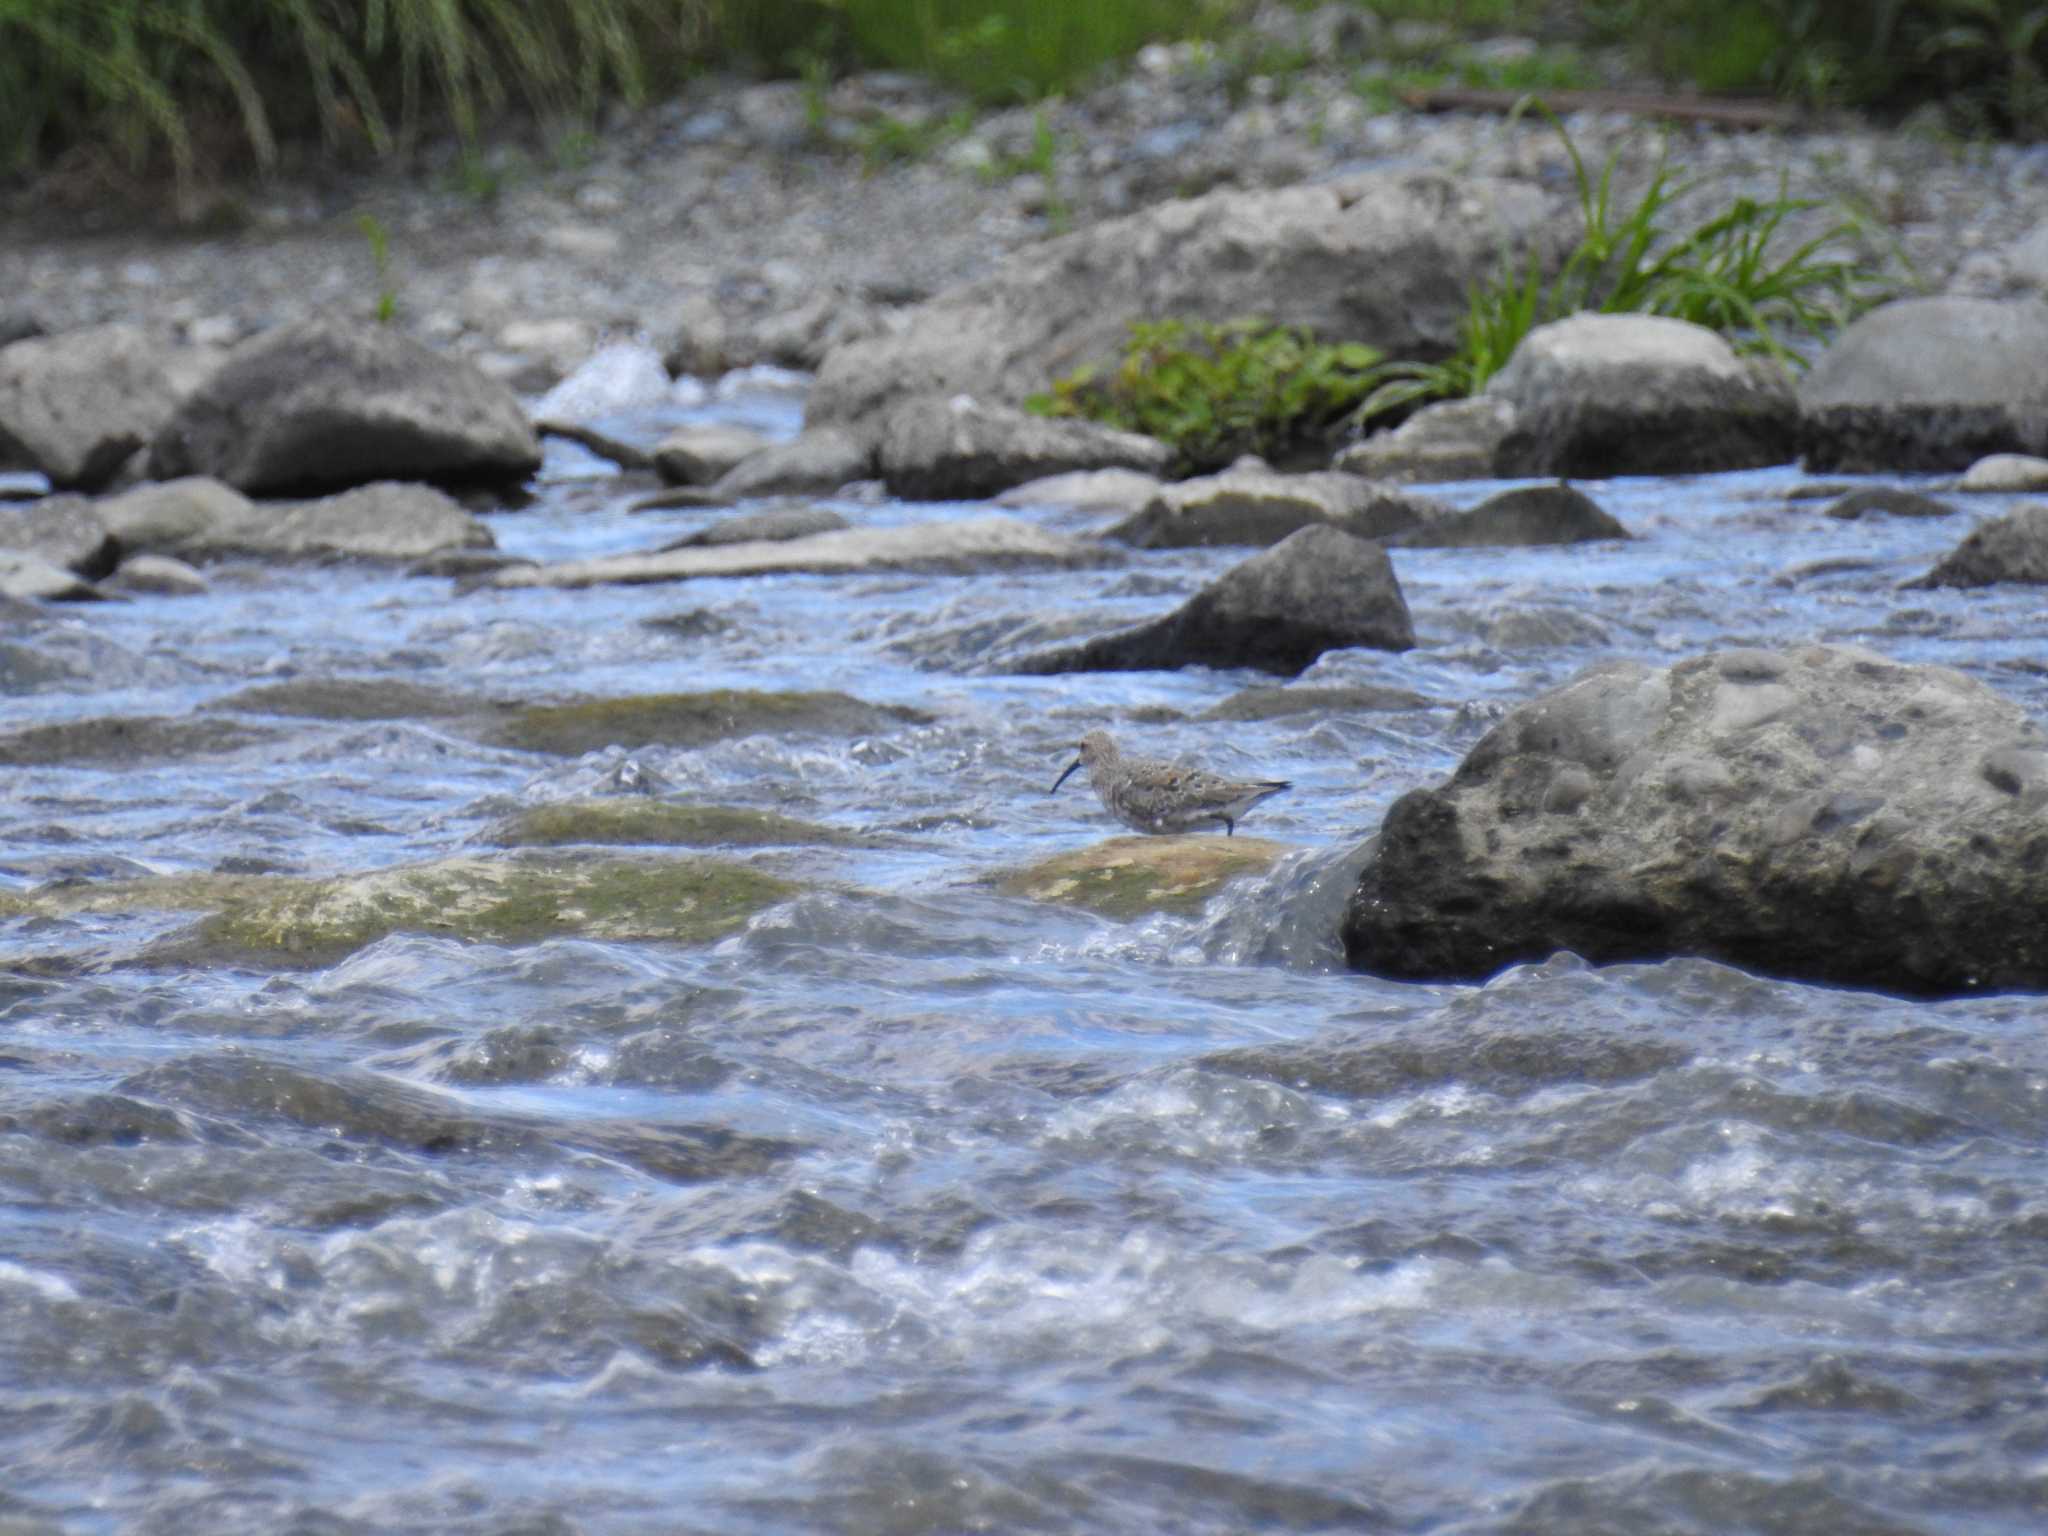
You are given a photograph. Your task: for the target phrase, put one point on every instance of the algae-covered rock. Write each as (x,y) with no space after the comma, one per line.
(510,900)
(693,719)
(1128,877)
(348,698)
(122,739)
(658,822)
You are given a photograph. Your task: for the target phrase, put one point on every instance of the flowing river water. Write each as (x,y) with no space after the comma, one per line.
(915,1207)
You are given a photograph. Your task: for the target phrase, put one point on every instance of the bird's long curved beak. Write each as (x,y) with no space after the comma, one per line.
(1056,783)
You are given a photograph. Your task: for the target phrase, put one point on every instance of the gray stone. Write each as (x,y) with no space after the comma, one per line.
(1317,590)
(157,575)
(1086,490)
(1886,501)
(956,547)
(1601,395)
(1251,503)
(189,515)
(697,338)
(704,451)
(1522,518)
(198,519)
(1820,813)
(2006,472)
(64,530)
(26,577)
(78,406)
(329,402)
(2011,548)
(772,524)
(1450,440)
(1384,255)
(1930,384)
(815,463)
(934,449)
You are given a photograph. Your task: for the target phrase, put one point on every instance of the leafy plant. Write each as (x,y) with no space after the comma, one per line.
(1723,273)
(379,239)
(1212,392)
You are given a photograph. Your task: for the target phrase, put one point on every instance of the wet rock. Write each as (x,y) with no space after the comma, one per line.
(389,521)
(693,720)
(1885,501)
(1518,519)
(65,531)
(520,899)
(30,578)
(1270,703)
(78,406)
(1821,813)
(1317,590)
(327,402)
(1295,255)
(1450,440)
(2011,548)
(705,452)
(2006,472)
(1129,877)
(1929,384)
(801,336)
(157,576)
(621,377)
(815,463)
(184,516)
(1535,629)
(957,546)
(349,698)
(767,525)
(1086,490)
(936,449)
(1251,503)
(658,823)
(124,739)
(606,445)
(1602,395)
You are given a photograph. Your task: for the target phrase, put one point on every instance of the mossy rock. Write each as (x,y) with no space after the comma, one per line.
(349,698)
(693,719)
(659,823)
(1271,703)
(1130,877)
(124,740)
(512,900)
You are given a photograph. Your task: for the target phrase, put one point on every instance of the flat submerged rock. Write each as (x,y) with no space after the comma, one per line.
(1129,877)
(659,823)
(691,719)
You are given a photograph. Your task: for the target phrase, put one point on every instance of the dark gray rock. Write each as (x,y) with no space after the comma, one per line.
(936,449)
(1886,501)
(326,402)
(65,531)
(815,463)
(1317,590)
(1521,518)
(1822,813)
(1252,503)
(1450,440)
(1929,384)
(1384,255)
(767,525)
(18,323)
(78,406)
(2010,548)
(1599,395)
(704,451)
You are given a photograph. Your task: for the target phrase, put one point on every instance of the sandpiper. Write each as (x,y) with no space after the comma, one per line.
(1150,795)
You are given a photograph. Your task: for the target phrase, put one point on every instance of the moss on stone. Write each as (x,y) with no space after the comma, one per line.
(350,698)
(660,823)
(504,900)
(123,740)
(1129,877)
(692,719)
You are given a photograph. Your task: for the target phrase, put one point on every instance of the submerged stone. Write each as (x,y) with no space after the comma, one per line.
(693,719)
(123,739)
(1129,877)
(617,821)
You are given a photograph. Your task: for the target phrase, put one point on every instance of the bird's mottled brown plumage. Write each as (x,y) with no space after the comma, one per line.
(1151,795)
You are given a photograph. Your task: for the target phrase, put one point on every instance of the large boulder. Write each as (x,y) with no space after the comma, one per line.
(325,403)
(1929,384)
(1823,814)
(1384,257)
(1251,503)
(2010,548)
(937,449)
(79,405)
(1318,589)
(1604,395)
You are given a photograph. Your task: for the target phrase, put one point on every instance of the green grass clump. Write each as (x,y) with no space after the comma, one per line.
(1212,392)
(1724,273)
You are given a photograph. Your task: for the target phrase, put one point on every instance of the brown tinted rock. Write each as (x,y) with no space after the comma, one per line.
(1522,518)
